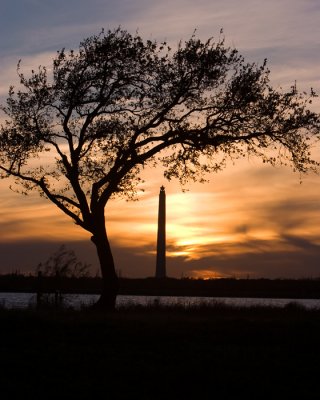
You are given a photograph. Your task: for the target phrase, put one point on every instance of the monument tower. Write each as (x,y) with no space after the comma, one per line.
(161,238)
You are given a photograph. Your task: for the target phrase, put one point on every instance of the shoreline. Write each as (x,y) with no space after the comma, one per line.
(228,287)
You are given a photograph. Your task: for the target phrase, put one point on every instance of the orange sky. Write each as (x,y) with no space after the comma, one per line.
(227,227)
(249,219)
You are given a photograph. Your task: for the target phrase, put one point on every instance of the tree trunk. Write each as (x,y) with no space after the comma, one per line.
(110,282)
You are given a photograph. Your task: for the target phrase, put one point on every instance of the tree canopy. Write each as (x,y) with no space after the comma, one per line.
(81,131)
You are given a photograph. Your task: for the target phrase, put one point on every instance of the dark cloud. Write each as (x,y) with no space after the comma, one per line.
(25,255)
(291,257)
(303,244)
(293,213)
(259,259)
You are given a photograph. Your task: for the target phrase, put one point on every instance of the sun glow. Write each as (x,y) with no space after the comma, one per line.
(206,274)
(206,226)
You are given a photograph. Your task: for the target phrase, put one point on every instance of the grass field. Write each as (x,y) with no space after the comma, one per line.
(161,352)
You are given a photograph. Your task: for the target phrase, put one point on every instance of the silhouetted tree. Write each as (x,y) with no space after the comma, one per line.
(81,131)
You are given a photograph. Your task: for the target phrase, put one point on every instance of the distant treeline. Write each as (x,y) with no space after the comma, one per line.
(275,288)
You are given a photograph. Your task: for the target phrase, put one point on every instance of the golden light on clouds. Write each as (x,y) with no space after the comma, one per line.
(241,211)
(206,274)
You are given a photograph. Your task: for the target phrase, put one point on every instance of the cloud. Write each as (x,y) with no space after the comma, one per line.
(285,32)
(259,259)
(247,218)
(25,255)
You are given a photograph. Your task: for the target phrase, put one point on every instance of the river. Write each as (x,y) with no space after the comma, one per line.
(25,300)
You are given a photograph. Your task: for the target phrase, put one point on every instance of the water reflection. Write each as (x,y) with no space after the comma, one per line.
(25,300)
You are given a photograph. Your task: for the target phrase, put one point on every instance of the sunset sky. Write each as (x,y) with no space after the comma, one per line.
(249,220)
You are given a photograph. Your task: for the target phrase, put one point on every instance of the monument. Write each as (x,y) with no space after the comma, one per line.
(161,237)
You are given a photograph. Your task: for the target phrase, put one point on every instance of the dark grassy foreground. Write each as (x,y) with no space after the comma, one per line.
(214,352)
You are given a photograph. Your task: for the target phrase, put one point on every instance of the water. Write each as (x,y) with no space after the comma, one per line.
(25,300)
